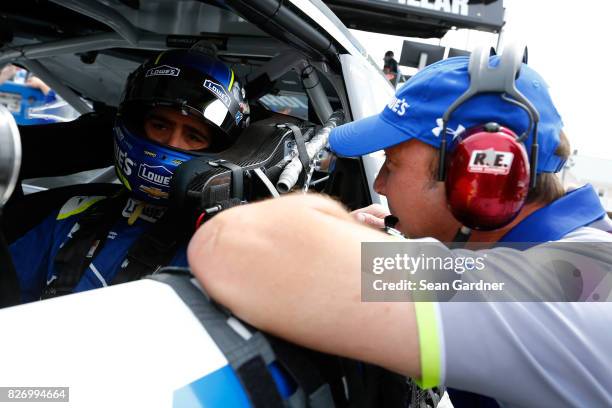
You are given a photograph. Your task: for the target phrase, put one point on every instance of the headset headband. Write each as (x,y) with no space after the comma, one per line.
(500,79)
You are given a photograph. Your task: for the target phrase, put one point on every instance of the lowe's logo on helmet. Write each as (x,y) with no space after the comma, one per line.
(218,91)
(152,174)
(163,70)
(124,163)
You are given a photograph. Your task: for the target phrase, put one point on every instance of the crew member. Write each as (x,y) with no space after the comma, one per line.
(390,68)
(308,247)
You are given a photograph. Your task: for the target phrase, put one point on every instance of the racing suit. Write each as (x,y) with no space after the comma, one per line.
(34,254)
(530,353)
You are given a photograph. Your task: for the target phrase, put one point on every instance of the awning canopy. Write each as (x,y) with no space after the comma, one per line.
(419,18)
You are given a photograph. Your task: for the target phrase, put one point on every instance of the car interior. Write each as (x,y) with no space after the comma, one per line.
(85,51)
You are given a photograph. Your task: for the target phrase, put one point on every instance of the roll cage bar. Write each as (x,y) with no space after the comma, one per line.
(279,20)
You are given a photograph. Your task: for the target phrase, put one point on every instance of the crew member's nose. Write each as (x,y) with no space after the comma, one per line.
(381,181)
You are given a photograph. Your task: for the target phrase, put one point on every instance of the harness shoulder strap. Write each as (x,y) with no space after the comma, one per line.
(153,249)
(77,205)
(86,240)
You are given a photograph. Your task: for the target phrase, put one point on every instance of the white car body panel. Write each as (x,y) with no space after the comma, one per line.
(329,27)
(368,91)
(129,345)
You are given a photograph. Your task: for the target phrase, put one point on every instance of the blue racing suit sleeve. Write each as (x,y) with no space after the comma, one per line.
(31,258)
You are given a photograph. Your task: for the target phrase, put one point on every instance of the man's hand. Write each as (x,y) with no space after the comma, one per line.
(291,267)
(7,72)
(36,82)
(373,215)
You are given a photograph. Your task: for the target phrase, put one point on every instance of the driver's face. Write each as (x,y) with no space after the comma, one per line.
(169,127)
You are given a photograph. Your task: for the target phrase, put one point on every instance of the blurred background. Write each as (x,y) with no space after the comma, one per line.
(568,45)
(567,40)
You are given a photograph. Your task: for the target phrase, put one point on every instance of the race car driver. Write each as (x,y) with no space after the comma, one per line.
(176,106)
(521,354)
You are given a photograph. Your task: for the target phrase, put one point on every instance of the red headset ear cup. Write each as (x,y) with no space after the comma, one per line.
(487,178)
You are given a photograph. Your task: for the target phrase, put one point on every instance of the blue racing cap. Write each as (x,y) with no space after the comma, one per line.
(417,109)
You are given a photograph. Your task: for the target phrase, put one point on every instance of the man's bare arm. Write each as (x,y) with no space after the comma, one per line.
(291,267)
